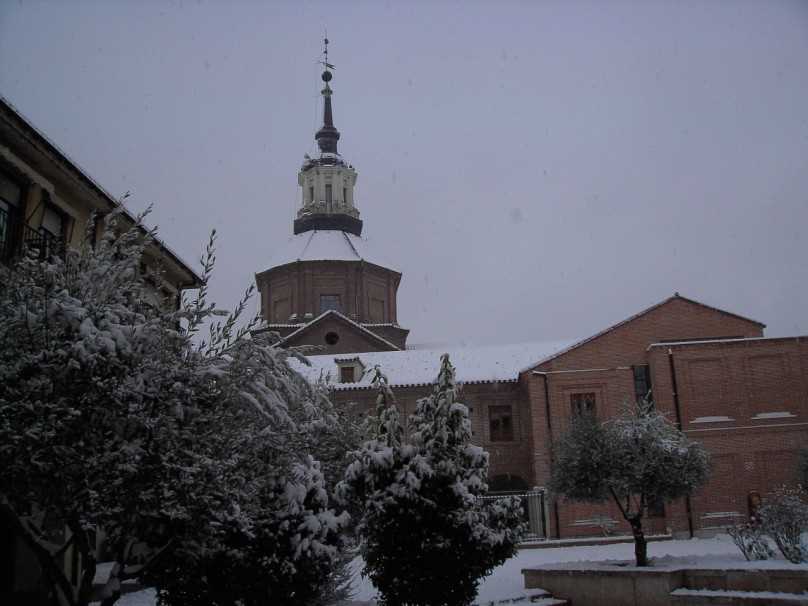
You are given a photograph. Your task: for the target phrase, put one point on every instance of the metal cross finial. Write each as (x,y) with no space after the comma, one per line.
(325,53)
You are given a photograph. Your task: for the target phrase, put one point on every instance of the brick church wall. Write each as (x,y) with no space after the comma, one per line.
(603,367)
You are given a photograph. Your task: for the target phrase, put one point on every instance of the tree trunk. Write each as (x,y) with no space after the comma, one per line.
(640,544)
(59,585)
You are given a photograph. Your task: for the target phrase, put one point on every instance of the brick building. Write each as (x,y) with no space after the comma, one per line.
(713,372)
(46,202)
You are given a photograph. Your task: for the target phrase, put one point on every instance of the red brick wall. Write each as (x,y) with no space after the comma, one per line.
(603,366)
(750,452)
(367,292)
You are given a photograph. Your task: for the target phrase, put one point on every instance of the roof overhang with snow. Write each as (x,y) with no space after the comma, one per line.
(419,367)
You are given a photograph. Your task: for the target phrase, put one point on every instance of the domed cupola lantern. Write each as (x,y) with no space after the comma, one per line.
(327,181)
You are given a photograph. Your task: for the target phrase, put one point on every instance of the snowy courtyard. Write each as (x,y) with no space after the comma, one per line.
(506,583)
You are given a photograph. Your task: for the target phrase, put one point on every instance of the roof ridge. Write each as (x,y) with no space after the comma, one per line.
(306,245)
(645,311)
(353,248)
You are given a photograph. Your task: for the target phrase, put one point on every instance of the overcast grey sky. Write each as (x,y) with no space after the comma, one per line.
(537,170)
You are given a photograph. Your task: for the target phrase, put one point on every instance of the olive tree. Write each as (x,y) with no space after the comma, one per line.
(636,459)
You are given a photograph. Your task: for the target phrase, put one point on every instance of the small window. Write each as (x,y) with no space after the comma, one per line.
(311,194)
(656,508)
(345,195)
(582,403)
(328,302)
(10,197)
(347,374)
(642,381)
(328,195)
(53,222)
(10,192)
(500,423)
(332,338)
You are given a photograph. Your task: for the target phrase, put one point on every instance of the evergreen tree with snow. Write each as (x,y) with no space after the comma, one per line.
(427,537)
(117,416)
(636,459)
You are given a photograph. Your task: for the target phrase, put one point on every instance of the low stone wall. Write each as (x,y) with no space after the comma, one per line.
(618,587)
(631,586)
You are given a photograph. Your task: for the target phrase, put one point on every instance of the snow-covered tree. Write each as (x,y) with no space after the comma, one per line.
(426,536)
(117,416)
(636,459)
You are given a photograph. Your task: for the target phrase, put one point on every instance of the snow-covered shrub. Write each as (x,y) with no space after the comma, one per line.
(751,540)
(117,416)
(283,554)
(636,459)
(426,536)
(784,517)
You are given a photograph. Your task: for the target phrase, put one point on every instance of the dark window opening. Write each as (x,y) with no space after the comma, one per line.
(53,222)
(328,195)
(507,483)
(311,194)
(347,374)
(642,382)
(328,302)
(345,195)
(10,201)
(331,338)
(656,508)
(500,423)
(583,403)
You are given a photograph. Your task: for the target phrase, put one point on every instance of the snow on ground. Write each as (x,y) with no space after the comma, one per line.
(147,597)
(506,581)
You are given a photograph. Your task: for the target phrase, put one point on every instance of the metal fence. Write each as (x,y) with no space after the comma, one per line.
(534,510)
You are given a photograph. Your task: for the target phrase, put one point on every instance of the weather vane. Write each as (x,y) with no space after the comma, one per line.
(325,53)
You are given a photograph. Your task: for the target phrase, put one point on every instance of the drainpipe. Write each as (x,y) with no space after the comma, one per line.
(677,408)
(550,442)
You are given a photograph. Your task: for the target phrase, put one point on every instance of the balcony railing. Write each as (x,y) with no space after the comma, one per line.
(44,243)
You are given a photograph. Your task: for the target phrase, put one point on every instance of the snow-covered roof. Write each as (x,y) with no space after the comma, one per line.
(420,367)
(326,245)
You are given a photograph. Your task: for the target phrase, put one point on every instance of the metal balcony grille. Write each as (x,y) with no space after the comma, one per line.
(44,243)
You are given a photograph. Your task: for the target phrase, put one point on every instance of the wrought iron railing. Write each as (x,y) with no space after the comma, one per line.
(534,510)
(44,243)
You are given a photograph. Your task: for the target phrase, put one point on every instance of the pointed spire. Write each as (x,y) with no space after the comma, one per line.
(328,135)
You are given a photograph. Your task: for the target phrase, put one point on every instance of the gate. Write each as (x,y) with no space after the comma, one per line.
(534,510)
